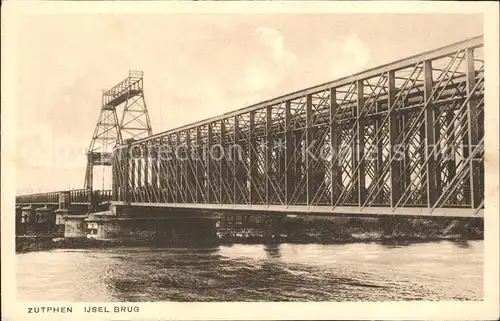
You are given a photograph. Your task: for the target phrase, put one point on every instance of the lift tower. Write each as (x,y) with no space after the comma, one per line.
(134,123)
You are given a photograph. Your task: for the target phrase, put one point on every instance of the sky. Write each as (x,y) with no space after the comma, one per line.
(195,66)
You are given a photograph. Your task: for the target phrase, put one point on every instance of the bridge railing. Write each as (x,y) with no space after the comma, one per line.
(104,195)
(75,196)
(49,197)
(79,196)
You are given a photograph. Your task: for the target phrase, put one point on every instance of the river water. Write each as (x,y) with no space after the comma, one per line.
(286,272)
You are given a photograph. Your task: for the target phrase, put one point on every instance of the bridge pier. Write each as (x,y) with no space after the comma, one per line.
(273,226)
(20,227)
(151,224)
(74,226)
(34,220)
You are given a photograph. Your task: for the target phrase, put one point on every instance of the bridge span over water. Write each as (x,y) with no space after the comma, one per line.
(406,138)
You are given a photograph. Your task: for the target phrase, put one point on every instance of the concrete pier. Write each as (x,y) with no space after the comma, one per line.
(20,229)
(44,220)
(28,214)
(115,222)
(128,223)
(75,227)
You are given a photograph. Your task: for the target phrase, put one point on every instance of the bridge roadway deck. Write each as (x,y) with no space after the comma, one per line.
(50,203)
(318,210)
(300,210)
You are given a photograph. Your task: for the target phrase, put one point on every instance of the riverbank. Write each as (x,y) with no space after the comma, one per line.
(299,230)
(295,230)
(24,245)
(384,228)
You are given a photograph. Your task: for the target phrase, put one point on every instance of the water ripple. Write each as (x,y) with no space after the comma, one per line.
(350,272)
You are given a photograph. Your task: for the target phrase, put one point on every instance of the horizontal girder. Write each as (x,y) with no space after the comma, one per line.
(341,210)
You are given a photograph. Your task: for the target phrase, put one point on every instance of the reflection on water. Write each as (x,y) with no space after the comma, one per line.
(273,251)
(285,272)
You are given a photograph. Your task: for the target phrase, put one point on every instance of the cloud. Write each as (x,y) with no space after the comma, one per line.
(355,48)
(349,56)
(256,78)
(40,148)
(275,41)
(263,73)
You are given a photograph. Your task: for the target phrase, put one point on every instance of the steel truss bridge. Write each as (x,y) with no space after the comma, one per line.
(406,138)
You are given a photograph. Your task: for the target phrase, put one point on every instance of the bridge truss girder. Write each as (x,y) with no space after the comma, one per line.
(405,135)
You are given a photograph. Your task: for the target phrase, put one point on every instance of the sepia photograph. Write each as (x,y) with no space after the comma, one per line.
(261,156)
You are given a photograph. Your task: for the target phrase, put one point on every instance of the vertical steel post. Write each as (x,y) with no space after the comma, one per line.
(164,154)
(177,168)
(430,139)
(404,124)
(309,144)
(124,174)
(90,175)
(393,134)
(237,181)
(280,181)
(298,172)
(208,159)
(145,189)
(450,148)
(288,154)
(252,157)
(223,177)
(146,165)
(200,178)
(472,130)
(334,148)
(268,156)
(154,173)
(379,173)
(360,135)
(115,175)
(190,181)
(139,175)
(133,169)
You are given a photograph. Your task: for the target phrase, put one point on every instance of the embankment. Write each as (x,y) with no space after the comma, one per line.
(359,229)
(30,244)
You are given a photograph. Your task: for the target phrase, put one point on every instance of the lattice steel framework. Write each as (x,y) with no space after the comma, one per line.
(135,123)
(406,137)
